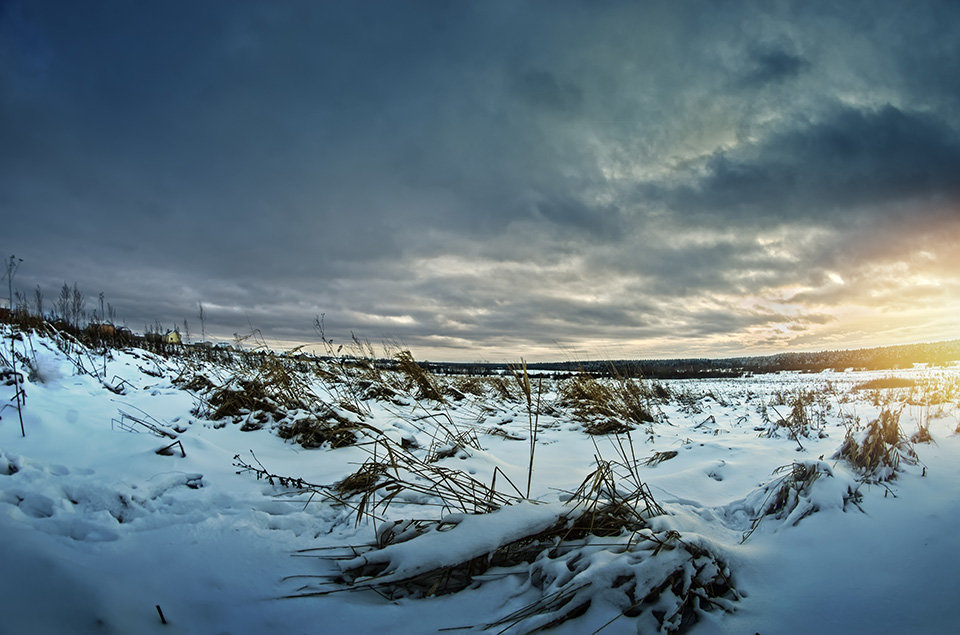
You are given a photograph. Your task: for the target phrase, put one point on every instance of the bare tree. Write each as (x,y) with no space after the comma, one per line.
(203,334)
(78,305)
(62,306)
(38,300)
(12,265)
(22,307)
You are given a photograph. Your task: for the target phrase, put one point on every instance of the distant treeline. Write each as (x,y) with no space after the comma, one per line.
(882,358)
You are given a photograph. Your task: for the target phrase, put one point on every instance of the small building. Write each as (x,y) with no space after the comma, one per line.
(172,337)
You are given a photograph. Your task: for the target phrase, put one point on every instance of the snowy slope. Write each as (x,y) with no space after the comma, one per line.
(97,529)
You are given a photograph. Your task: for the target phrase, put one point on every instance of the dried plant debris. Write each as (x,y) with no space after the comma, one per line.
(427,558)
(9,378)
(366,479)
(453,443)
(659,457)
(239,398)
(593,552)
(922,435)
(607,426)
(261,472)
(654,578)
(394,472)
(620,401)
(375,390)
(314,431)
(469,385)
(614,499)
(876,450)
(504,434)
(807,418)
(658,581)
(266,383)
(195,383)
(804,488)
(882,383)
(428,386)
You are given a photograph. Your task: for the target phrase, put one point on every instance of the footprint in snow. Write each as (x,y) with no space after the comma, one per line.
(717,472)
(36,505)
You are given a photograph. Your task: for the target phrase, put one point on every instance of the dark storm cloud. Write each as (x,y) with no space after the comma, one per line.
(852,160)
(478,176)
(769,64)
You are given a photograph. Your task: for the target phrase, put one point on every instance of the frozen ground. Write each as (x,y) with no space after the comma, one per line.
(97,529)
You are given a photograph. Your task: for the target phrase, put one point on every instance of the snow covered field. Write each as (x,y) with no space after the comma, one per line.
(783,534)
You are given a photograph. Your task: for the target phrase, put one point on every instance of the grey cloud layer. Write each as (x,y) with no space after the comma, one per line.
(853,161)
(279,160)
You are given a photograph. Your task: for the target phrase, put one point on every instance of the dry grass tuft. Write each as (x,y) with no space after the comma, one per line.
(455,445)
(922,435)
(428,387)
(607,426)
(442,580)
(469,385)
(660,581)
(798,479)
(790,497)
(659,457)
(877,450)
(611,503)
(941,390)
(807,416)
(314,432)
(882,383)
(364,479)
(262,382)
(598,548)
(503,389)
(249,396)
(599,507)
(376,390)
(609,407)
(196,383)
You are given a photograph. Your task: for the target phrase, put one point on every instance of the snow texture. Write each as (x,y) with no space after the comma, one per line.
(97,529)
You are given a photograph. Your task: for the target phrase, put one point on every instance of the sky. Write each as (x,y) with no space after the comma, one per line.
(492,180)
